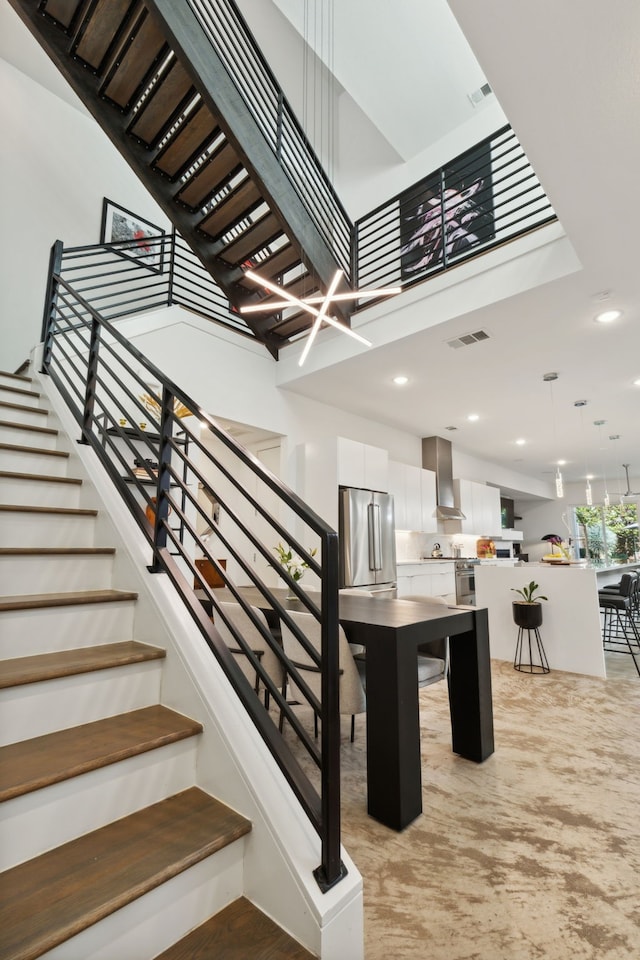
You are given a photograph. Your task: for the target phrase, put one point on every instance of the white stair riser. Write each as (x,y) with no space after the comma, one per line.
(55,573)
(37,416)
(152,923)
(19,461)
(46,818)
(39,493)
(8,381)
(24,633)
(34,709)
(46,530)
(9,394)
(28,438)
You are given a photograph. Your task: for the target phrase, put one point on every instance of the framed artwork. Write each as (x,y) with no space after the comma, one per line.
(133,236)
(447,213)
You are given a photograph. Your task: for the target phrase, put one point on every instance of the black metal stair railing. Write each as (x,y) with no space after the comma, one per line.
(172,462)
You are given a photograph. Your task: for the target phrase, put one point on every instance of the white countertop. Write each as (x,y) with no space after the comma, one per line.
(401,563)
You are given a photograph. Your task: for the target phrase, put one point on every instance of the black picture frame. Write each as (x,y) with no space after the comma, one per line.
(132,236)
(466,185)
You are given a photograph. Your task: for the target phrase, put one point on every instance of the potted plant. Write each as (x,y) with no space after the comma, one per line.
(294,566)
(527,613)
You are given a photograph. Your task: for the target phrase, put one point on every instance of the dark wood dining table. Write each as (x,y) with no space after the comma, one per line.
(392,631)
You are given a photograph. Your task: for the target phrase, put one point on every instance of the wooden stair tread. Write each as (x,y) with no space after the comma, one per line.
(37,763)
(57,895)
(31,508)
(20,390)
(56,551)
(65,663)
(15,376)
(19,448)
(238,932)
(5,404)
(13,475)
(31,601)
(14,425)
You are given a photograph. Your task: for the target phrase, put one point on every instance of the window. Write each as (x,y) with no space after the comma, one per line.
(607,534)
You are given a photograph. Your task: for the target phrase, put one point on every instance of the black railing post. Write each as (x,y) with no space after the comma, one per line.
(279,124)
(172,267)
(331,868)
(164,480)
(443,217)
(55,267)
(92,379)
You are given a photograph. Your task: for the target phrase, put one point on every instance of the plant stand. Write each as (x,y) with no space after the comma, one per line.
(530,656)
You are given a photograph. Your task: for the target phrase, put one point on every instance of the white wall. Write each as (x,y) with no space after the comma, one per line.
(233,378)
(466,467)
(56,166)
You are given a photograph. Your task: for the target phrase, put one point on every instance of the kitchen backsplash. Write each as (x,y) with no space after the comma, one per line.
(412,545)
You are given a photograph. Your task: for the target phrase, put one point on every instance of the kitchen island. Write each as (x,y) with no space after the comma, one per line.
(570,630)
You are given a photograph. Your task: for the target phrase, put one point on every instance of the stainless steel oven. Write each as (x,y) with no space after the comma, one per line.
(466,581)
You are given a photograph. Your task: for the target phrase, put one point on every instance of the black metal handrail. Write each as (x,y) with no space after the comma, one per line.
(170,461)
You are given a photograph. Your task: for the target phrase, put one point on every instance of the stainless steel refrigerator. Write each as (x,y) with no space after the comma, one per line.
(367,541)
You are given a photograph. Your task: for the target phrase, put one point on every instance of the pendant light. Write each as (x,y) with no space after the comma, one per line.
(599,424)
(581,404)
(549,378)
(319,122)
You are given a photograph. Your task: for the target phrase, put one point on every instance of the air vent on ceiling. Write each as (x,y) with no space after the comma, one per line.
(480,94)
(468,338)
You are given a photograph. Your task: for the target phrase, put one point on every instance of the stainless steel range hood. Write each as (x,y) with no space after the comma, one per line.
(436,456)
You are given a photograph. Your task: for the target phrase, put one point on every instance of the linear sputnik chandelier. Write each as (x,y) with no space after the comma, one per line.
(321,315)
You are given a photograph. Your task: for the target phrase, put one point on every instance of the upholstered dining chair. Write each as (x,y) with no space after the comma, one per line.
(351,689)
(357,649)
(433,658)
(255,640)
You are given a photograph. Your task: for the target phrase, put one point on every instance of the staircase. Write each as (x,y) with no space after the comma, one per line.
(108,846)
(188,100)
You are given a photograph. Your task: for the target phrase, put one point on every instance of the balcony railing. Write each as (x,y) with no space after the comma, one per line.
(119,279)
(485,197)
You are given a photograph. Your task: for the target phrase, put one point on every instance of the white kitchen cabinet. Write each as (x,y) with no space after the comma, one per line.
(463,496)
(481,507)
(397,488)
(428,501)
(362,465)
(432,578)
(488,522)
(414,491)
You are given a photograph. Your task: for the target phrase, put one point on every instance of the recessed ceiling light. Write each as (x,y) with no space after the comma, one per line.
(636,383)
(400,381)
(520,442)
(608,316)
(473,416)
(562,463)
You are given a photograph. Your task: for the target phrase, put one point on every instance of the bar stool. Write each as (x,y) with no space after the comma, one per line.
(635,592)
(620,632)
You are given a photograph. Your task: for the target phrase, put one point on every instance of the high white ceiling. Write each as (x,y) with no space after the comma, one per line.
(567,76)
